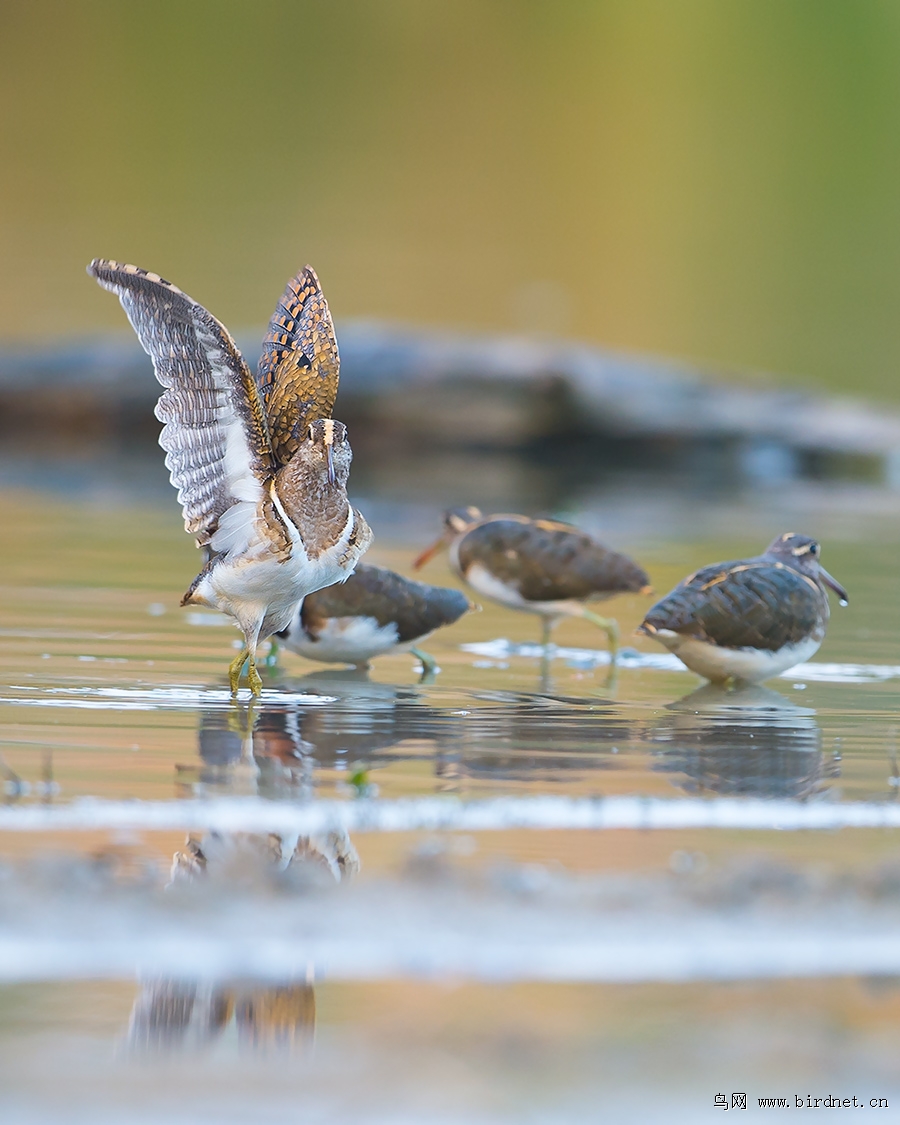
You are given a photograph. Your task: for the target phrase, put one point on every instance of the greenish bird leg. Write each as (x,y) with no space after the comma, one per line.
(254,680)
(546,684)
(429,665)
(235,668)
(610,627)
(547,624)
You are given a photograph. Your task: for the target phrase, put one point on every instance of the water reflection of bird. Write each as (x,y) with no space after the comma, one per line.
(375,611)
(749,619)
(260,468)
(534,738)
(749,742)
(354,725)
(176,1012)
(539,566)
(349,720)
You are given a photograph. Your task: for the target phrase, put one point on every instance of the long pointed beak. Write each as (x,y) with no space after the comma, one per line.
(329,456)
(429,552)
(836,586)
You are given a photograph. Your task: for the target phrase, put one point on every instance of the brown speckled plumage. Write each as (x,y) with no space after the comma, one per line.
(318,508)
(373,591)
(548,561)
(299,366)
(775,599)
(540,566)
(260,467)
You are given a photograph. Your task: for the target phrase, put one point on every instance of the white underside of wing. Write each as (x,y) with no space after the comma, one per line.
(241,480)
(214,454)
(237,458)
(343,640)
(209,454)
(237,530)
(717,663)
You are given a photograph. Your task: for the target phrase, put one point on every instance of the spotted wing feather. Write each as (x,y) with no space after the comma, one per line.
(373,591)
(747,603)
(214,433)
(299,366)
(549,561)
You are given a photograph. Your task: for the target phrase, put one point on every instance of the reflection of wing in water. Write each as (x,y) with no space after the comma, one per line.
(171,1014)
(502,736)
(183,1013)
(747,742)
(241,857)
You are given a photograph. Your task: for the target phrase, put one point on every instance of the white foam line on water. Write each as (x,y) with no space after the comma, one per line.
(149,699)
(503,649)
(253,814)
(681,953)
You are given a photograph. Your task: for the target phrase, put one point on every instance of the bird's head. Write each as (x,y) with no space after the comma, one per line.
(802,553)
(456,522)
(327,451)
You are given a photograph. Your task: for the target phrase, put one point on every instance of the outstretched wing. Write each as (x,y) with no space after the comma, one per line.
(299,366)
(215,437)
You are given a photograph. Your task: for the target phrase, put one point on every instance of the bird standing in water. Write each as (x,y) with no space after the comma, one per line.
(260,466)
(539,566)
(749,619)
(375,611)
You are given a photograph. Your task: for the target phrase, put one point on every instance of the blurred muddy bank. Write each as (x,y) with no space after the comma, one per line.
(403,392)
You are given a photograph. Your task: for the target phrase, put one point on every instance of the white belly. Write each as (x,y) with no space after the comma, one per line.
(752,665)
(260,592)
(257,589)
(344,640)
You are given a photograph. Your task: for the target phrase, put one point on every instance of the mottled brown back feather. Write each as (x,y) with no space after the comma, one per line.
(747,603)
(299,366)
(549,561)
(372,591)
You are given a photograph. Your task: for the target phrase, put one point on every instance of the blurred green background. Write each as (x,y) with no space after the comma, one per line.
(717,180)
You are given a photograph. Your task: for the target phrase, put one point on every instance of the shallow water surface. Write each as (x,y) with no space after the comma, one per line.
(505,894)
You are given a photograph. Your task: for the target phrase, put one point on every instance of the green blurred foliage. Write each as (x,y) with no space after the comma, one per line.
(710,179)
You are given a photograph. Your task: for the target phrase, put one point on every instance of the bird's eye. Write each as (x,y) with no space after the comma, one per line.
(814,548)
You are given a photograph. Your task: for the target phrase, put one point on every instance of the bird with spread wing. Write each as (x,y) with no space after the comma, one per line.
(260,466)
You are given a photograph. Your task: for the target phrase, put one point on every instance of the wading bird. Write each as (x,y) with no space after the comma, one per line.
(375,611)
(539,566)
(748,619)
(260,467)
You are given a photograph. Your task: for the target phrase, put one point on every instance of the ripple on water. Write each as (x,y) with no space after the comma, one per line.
(502,649)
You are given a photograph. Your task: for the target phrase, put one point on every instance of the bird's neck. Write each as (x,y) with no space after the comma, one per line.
(319,510)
